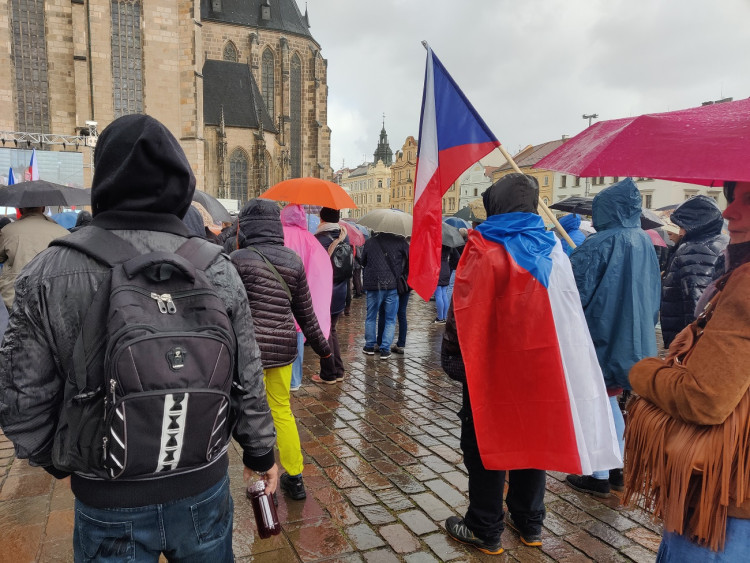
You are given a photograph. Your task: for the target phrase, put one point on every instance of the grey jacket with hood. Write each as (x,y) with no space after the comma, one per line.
(142,187)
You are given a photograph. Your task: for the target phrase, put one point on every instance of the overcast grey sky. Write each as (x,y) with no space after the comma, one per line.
(531,68)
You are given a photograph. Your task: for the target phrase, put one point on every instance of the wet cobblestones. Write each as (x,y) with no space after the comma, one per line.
(383,471)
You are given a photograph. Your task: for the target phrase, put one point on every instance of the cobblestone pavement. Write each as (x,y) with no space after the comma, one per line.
(383,472)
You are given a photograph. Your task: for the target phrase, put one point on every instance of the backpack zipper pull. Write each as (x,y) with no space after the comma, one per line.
(171,308)
(160,301)
(112,387)
(104,450)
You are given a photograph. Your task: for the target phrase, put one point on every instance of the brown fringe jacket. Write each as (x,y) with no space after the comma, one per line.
(710,387)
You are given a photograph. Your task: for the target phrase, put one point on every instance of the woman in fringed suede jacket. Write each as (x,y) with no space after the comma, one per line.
(696,476)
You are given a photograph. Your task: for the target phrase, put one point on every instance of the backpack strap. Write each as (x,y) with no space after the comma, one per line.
(274,271)
(100,244)
(200,252)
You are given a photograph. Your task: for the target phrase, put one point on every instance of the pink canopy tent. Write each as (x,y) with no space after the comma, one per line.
(705,145)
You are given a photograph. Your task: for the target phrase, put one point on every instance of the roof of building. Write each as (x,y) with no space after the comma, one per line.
(285,15)
(232,86)
(532,154)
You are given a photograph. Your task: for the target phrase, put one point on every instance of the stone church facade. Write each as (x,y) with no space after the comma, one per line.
(241,83)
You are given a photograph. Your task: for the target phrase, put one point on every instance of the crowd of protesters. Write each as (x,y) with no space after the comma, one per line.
(685,445)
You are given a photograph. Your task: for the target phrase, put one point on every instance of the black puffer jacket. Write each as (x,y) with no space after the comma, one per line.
(273,314)
(384,255)
(695,263)
(338,297)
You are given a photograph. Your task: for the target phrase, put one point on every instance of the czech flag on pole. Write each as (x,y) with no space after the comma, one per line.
(452,137)
(32,172)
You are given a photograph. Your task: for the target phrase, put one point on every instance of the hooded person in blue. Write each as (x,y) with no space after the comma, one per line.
(571,223)
(618,279)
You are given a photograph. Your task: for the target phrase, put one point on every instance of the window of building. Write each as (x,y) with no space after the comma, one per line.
(295,103)
(563,181)
(267,81)
(476,192)
(379,198)
(380,183)
(127,57)
(546,180)
(647,201)
(29,46)
(546,201)
(238,175)
(615,179)
(230,53)
(577,181)
(601,180)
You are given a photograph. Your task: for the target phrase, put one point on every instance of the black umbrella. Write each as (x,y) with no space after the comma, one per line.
(213,206)
(582,206)
(467,214)
(41,193)
(452,236)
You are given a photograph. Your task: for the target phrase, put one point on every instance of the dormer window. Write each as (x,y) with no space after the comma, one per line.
(265,10)
(216,5)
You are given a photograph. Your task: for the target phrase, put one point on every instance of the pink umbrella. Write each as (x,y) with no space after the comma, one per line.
(704,145)
(356,238)
(655,238)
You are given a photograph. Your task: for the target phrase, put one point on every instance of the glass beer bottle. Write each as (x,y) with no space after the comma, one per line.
(265,512)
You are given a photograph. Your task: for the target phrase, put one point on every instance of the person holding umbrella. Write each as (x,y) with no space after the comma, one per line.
(20,242)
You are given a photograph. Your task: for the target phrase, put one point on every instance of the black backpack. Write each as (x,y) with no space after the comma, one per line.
(148,394)
(342,258)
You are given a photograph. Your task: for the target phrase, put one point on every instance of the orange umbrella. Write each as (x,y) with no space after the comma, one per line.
(310,191)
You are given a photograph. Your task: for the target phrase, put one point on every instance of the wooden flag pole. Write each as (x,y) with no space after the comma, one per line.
(542,205)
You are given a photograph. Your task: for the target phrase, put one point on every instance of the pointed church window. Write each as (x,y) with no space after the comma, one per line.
(267,81)
(230,53)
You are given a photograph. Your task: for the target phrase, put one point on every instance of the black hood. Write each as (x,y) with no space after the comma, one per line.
(512,193)
(260,223)
(700,215)
(194,222)
(140,166)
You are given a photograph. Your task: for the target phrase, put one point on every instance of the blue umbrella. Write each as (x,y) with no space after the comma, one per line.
(457,222)
(312,222)
(66,219)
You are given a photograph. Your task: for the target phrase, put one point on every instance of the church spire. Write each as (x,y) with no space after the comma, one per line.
(383,151)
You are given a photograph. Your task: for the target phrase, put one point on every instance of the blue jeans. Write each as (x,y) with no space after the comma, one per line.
(403,301)
(441,301)
(619,430)
(675,548)
(449,290)
(297,365)
(193,529)
(376,298)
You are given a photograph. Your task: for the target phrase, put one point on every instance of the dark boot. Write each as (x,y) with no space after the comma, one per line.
(587,484)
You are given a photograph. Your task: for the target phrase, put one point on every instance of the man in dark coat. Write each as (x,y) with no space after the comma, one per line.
(697,260)
(328,231)
(278,294)
(141,189)
(384,258)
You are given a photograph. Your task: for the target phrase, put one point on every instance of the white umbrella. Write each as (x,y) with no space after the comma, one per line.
(388,221)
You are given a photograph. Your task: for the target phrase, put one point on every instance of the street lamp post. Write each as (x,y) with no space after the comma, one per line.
(588,116)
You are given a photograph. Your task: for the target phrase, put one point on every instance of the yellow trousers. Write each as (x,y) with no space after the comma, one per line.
(278,381)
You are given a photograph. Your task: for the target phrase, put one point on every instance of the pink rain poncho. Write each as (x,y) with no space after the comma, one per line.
(315,259)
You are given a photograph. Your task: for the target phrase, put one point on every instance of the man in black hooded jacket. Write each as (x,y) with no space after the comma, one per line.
(142,187)
(697,260)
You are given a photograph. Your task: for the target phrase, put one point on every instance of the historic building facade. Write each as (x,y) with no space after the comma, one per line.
(403,173)
(241,83)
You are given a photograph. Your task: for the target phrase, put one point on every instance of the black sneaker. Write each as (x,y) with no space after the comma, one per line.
(368,351)
(457,529)
(396,349)
(293,486)
(385,354)
(532,538)
(616,480)
(587,484)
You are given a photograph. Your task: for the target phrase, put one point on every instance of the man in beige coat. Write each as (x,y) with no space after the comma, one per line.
(20,242)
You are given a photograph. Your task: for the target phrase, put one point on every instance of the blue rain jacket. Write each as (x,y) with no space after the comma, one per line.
(571,224)
(617,274)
